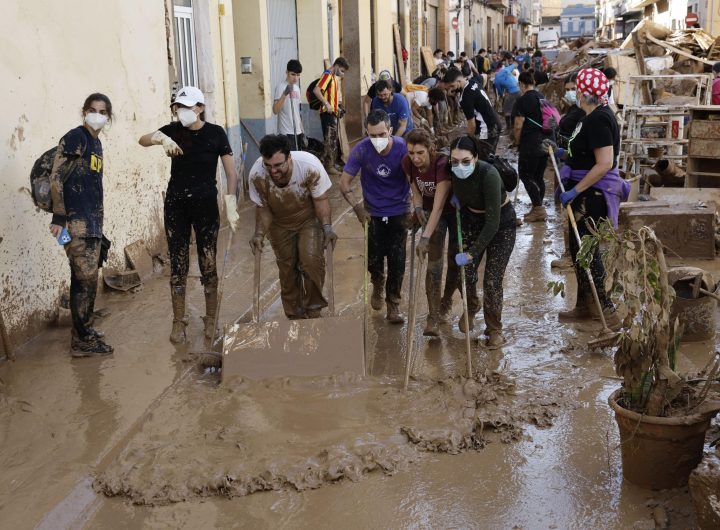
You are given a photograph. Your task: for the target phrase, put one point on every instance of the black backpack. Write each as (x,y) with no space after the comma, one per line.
(40,189)
(313,101)
(508,175)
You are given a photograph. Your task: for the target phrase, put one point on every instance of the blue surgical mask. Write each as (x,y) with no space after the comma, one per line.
(463,172)
(571,97)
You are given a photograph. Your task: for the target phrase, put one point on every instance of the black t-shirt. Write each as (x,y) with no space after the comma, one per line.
(531,136)
(373,89)
(597,129)
(541,77)
(476,105)
(570,120)
(193,172)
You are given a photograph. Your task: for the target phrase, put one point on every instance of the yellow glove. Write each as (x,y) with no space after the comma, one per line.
(231,214)
(171,148)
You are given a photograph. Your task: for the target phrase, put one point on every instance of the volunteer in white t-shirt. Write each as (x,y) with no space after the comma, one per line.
(286,104)
(421,102)
(290,189)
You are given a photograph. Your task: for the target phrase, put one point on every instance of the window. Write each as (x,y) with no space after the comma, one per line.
(185,55)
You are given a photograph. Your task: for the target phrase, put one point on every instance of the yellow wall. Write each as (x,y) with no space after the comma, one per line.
(385,17)
(313,44)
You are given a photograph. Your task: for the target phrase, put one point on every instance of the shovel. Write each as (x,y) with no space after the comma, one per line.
(412,314)
(463,284)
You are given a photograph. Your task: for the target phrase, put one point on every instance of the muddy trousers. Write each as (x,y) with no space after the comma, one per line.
(498,254)
(183,214)
(588,206)
(531,170)
(436,258)
(387,237)
(329,123)
(83,254)
(301,264)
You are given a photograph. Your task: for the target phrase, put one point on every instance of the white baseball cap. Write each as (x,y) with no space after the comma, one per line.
(189,96)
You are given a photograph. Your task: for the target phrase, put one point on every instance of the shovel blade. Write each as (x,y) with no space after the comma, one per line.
(312,347)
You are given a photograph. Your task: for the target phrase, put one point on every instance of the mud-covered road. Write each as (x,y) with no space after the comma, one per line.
(532,445)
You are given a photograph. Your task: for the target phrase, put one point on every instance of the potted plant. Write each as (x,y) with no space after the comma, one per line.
(662,417)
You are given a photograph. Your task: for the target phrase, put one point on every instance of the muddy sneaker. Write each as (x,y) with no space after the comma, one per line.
(312,313)
(431,327)
(471,323)
(393,314)
(376,300)
(579,312)
(177,335)
(536,215)
(95,333)
(91,347)
(495,340)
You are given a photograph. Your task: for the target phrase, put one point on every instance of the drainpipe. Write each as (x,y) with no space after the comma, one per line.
(331,56)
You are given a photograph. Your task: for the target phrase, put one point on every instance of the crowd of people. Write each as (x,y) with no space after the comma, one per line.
(452,194)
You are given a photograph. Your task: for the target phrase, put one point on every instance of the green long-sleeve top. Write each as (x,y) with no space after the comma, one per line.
(483,190)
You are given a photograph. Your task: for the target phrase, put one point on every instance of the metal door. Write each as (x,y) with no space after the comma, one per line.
(282,35)
(432,40)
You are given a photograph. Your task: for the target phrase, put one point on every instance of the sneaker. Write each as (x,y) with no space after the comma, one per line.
(393,314)
(95,333)
(312,313)
(536,215)
(471,323)
(495,340)
(376,300)
(90,347)
(431,327)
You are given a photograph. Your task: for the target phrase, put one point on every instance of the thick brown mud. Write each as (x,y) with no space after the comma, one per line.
(303,433)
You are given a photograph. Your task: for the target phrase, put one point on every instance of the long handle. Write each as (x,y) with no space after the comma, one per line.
(366,287)
(464,297)
(256,287)
(292,113)
(412,275)
(571,216)
(331,279)
(412,316)
(220,285)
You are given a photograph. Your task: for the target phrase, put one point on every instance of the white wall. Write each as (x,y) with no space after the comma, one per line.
(54,55)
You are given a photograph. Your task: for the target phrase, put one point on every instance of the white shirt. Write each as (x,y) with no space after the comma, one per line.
(285,116)
(306,168)
(420,97)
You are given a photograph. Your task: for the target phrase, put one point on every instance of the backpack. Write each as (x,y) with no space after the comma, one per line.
(508,175)
(40,188)
(313,101)
(550,117)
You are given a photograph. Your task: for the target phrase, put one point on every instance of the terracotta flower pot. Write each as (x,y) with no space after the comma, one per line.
(660,453)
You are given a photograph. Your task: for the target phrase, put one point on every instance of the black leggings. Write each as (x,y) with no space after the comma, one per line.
(589,205)
(203,216)
(532,174)
(387,237)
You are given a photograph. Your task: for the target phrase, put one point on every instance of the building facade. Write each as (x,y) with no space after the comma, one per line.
(577,19)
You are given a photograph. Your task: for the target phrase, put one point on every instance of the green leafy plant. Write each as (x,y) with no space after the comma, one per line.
(556,288)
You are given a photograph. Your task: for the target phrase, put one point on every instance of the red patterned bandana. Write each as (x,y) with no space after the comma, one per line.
(592,82)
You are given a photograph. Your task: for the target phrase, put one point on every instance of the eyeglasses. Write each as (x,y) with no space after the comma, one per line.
(464,163)
(270,167)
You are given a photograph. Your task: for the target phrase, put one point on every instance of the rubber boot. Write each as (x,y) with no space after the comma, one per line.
(583,309)
(431,326)
(210,318)
(445,309)
(495,339)
(376,300)
(536,215)
(180,321)
(393,313)
(611,319)
(471,322)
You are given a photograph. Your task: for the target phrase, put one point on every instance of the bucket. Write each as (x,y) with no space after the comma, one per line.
(659,453)
(698,315)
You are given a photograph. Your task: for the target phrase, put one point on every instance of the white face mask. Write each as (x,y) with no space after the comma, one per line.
(380,143)
(187,117)
(95,120)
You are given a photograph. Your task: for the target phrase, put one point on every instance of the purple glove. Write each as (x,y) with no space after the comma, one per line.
(560,153)
(463,259)
(455,202)
(567,197)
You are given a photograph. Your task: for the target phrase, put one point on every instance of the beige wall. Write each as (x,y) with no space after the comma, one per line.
(551,8)
(48,68)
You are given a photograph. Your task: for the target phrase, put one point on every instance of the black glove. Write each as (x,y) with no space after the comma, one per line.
(288,90)
(105,245)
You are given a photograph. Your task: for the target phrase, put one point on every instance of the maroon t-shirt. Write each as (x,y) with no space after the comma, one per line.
(428,181)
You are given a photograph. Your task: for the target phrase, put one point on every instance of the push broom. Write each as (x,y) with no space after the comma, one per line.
(607,337)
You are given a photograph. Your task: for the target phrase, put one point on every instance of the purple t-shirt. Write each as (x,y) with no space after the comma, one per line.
(385,187)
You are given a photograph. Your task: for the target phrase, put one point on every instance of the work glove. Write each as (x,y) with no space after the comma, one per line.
(231,213)
(288,90)
(329,236)
(171,148)
(547,142)
(420,215)
(422,247)
(463,259)
(568,196)
(361,213)
(257,242)
(455,202)
(560,153)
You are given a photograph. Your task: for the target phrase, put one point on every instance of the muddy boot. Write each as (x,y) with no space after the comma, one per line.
(431,327)
(536,215)
(210,318)
(180,321)
(89,347)
(471,322)
(445,310)
(611,319)
(393,313)
(581,311)
(376,300)
(313,313)
(495,339)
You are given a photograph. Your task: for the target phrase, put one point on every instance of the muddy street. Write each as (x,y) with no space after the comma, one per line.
(532,445)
